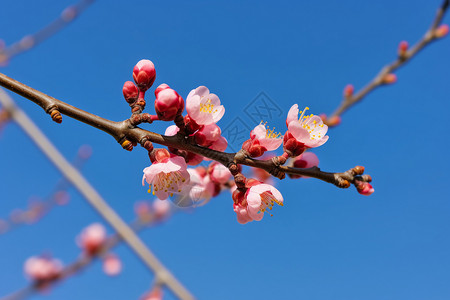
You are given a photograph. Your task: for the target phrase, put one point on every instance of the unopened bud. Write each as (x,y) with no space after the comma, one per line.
(348,90)
(168,104)
(365,188)
(389,78)
(402,48)
(144,74)
(130,92)
(441,31)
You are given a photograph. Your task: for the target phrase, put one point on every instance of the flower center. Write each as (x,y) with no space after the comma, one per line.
(207,107)
(270,133)
(167,182)
(268,201)
(312,127)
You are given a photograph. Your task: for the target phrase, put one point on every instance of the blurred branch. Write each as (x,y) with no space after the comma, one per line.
(37,209)
(404,56)
(83,261)
(94,198)
(30,41)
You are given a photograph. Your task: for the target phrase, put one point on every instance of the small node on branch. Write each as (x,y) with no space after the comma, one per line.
(348,90)
(127,145)
(55,115)
(146,144)
(441,31)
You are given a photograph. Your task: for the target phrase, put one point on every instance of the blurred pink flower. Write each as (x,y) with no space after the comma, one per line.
(42,268)
(92,238)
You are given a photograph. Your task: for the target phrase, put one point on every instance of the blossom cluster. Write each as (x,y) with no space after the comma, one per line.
(169,176)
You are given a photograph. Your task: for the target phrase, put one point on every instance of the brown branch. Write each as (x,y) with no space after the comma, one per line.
(124,132)
(402,59)
(88,192)
(30,41)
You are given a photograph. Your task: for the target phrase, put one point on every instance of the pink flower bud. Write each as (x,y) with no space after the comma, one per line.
(390,78)
(348,90)
(365,188)
(191,125)
(441,31)
(92,238)
(144,74)
(130,92)
(207,135)
(112,265)
(161,208)
(402,48)
(168,104)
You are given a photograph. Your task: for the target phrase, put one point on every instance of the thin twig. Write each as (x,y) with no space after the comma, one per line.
(378,81)
(30,41)
(94,198)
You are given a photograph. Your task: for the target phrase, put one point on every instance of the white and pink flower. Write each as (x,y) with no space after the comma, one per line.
(203,107)
(92,238)
(42,268)
(258,198)
(167,174)
(218,173)
(267,138)
(307,130)
(112,265)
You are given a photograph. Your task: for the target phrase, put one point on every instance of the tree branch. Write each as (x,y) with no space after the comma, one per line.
(125,131)
(402,59)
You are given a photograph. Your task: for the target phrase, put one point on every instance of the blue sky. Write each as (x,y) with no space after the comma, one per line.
(325,243)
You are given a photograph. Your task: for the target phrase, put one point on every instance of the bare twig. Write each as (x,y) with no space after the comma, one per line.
(38,209)
(30,41)
(93,197)
(402,59)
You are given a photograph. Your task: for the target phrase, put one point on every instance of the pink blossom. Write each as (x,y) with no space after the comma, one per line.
(259,197)
(204,108)
(92,238)
(199,190)
(267,137)
(219,173)
(161,208)
(112,265)
(154,294)
(208,134)
(144,74)
(220,145)
(308,131)
(306,160)
(167,175)
(42,268)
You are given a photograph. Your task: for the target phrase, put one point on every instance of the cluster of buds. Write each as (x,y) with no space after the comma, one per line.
(92,240)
